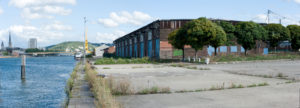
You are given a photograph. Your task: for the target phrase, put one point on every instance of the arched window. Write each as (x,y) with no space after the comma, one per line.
(150,35)
(142,38)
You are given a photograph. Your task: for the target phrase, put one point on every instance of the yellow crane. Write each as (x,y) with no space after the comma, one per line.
(86,44)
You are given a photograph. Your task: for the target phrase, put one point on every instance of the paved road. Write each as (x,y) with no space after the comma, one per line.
(277,95)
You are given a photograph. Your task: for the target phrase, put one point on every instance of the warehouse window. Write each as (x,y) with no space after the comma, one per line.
(149,35)
(142,38)
(130,41)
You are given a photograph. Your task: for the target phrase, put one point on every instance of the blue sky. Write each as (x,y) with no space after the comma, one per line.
(55,21)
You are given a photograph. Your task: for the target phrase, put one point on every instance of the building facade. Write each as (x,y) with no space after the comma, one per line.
(110,50)
(152,41)
(99,51)
(32,43)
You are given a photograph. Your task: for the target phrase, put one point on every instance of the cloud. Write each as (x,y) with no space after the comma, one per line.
(260,18)
(46,35)
(52,10)
(297,1)
(37,9)
(115,19)
(57,25)
(28,14)
(109,37)
(108,22)
(30,3)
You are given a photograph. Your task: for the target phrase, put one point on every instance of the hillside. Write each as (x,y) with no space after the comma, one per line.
(70,46)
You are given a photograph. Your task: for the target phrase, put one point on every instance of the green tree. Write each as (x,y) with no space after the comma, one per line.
(219,40)
(229,29)
(31,50)
(178,39)
(277,33)
(247,33)
(295,36)
(200,32)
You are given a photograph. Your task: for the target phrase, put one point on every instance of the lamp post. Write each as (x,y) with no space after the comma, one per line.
(84,50)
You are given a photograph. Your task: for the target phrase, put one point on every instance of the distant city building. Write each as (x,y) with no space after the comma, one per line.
(2,46)
(99,51)
(10,43)
(32,43)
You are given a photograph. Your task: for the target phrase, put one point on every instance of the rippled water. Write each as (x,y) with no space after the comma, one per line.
(44,85)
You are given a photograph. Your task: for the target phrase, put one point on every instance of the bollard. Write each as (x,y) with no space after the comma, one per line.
(23,66)
(207,60)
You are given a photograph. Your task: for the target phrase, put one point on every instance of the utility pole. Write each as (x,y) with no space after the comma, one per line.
(268,16)
(279,20)
(84,52)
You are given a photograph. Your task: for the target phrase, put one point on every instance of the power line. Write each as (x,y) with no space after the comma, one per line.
(271,16)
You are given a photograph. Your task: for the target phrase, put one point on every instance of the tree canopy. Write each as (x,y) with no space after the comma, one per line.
(295,36)
(277,33)
(247,33)
(200,32)
(219,39)
(178,39)
(229,30)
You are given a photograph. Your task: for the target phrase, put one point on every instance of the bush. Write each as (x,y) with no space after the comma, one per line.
(100,89)
(102,61)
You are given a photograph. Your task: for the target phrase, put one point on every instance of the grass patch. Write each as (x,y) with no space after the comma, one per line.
(70,84)
(287,82)
(154,90)
(240,86)
(200,90)
(267,76)
(135,67)
(103,61)
(106,68)
(102,93)
(216,87)
(178,65)
(280,75)
(194,67)
(120,87)
(183,91)
(252,85)
(230,58)
(232,86)
(204,68)
(263,84)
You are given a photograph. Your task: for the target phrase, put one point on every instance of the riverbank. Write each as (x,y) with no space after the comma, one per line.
(8,56)
(78,90)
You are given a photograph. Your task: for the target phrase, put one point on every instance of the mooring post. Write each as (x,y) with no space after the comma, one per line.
(23,66)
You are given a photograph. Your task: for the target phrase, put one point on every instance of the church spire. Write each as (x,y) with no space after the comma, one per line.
(9,43)
(2,46)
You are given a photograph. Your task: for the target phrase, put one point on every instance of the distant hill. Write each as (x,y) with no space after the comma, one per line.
(70,47)
(73,46)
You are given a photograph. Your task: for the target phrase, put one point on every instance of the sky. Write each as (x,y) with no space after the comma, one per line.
(56,21)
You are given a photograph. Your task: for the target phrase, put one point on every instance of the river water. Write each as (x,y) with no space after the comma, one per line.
(44,85)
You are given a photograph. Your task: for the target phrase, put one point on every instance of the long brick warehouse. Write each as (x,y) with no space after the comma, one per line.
(152,41)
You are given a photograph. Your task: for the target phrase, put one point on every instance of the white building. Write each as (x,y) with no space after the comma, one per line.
(99,51)
(32,43)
